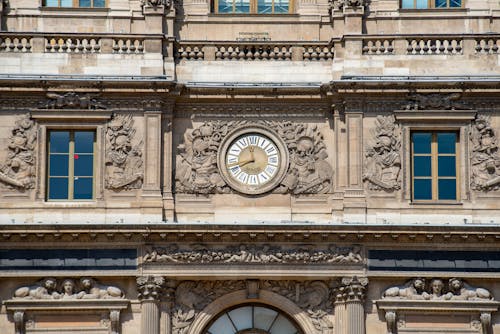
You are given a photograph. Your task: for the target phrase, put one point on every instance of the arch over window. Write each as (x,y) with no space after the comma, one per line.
(252,319)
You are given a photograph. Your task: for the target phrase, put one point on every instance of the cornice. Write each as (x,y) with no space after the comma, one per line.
(388,235)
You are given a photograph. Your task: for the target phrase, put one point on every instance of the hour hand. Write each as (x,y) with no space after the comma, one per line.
(241,163)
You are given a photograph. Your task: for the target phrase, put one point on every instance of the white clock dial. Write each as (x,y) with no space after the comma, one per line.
(252,159)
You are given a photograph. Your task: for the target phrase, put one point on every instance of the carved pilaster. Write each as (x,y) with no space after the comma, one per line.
(19,322)
(349,305)
(150,289)
(168,201)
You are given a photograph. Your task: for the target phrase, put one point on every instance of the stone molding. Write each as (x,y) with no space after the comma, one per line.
(18,171)
(254,254)
(197,170)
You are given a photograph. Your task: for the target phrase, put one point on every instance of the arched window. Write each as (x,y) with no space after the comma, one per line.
(252,319)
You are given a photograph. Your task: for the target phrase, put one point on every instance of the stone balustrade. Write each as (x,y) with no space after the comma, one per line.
(73,44)
(488,45)
(15,43)
(434,46)
(128,45)
(378,46)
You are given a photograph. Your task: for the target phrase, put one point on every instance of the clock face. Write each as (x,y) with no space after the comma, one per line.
(253,160)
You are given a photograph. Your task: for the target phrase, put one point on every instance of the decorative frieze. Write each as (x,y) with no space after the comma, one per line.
(485,159)
(52,289)
(18,171)
(71,100)
(383,157)
(255,254)
(124,163)
(197,171)
(438,101)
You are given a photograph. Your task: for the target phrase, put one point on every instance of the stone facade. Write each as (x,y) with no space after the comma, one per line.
(326,102)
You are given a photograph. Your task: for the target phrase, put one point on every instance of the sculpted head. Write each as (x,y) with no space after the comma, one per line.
(419,284)
(68,286)
(49,283)
(86,282)
(437,286)
(455,284)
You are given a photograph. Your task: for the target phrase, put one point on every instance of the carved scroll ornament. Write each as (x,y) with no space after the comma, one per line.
(383,159)
(71,100)
(50,288)
(435,102)
(19,169)
(249,254)
(485,158)
(308,173)
(124,163)
(455,289)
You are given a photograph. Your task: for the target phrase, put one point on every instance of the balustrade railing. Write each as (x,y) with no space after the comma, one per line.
(488,45)
(128,45)
(434,46)
(59,44)
(378,46)
(14,43)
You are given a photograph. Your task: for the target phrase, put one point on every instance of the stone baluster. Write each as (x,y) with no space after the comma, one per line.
(150,289)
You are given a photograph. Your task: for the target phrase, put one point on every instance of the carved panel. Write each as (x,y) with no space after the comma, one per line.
(382,157)
(254,254)
(71,100)
(124,162)
(19,169)
(308,172)
(435,102)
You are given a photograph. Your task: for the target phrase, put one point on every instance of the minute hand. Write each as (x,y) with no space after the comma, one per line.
(241,163)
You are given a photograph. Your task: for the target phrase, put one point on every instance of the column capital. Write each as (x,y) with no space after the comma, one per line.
(150,288)
(350,289)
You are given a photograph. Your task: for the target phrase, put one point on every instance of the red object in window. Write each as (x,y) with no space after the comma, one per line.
(76,156)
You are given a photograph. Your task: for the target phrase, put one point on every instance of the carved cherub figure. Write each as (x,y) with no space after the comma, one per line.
(414,289)
(45,289)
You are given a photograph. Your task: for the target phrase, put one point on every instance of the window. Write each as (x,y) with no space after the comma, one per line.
(75,3)
(252,6)
(71,165)
(423,4)
(434,165)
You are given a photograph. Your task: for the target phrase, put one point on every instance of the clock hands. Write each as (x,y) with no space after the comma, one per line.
(246,161)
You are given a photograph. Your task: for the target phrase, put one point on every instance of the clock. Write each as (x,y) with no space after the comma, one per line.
(253,160)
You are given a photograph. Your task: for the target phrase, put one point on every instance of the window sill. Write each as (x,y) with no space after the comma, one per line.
(436,203)
(74,9)
(251,15)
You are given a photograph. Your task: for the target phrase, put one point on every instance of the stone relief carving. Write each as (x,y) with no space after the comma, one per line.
(304,254)
(156,3)
(150,287)
(124,164)
(71,100)
(382,157)
(48,288)
(485,159)
(308,173)
(312,296)
(350,288)
(455,289)
(193,296)
(19,168)
(435,102)
(339,4)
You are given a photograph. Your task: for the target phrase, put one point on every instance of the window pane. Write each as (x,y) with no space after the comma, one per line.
(242,317)
(422,166)
(264,317)
(225,6)
(407,4)
(84,142)
(84,165)
(446,166)
(455,3)
(440,4)
(447,189)
(281,6)
(51,3)
(421,142)
(59,142)
(66,3)
(265,6)
(222,326)
(282,326)
(446,142)
(82,188)
(58,165)
(242,6)
(84,3)
(422,4)
(422,189)
(100,3)
(58,188)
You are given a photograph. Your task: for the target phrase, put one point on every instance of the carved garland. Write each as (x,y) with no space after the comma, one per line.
(485,158)
(382,157)
(308,173)
(302,254)
(124,164)
(19,169)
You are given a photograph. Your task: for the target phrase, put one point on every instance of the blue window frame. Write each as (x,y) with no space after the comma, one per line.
(425,4)
(252,6)
(71,165)
(434,165)
(75,3)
